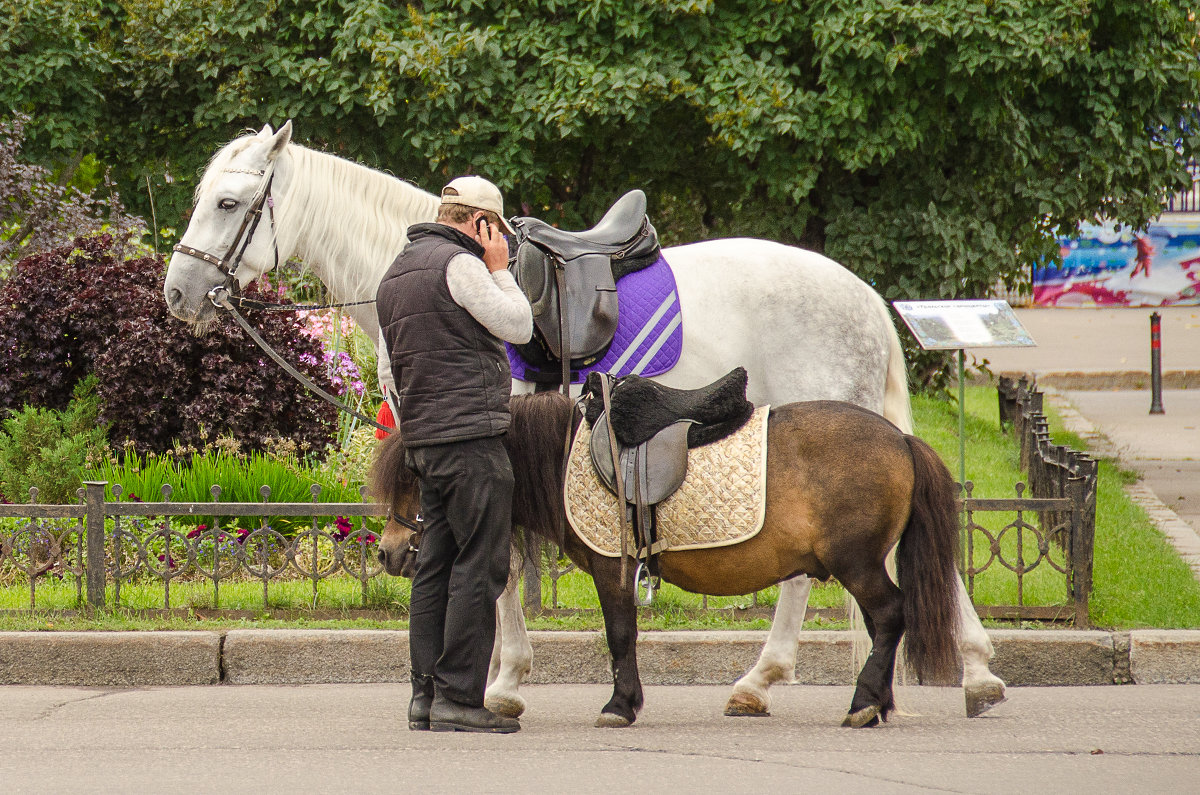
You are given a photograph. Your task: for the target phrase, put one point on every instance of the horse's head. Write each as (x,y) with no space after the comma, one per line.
(222,236)
(402,535)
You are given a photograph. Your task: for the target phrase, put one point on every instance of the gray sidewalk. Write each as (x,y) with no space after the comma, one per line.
(1111,346)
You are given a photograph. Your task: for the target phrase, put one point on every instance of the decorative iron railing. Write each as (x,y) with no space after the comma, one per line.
(98,541)
(1062,498)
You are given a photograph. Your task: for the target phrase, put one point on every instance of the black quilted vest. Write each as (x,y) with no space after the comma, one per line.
(451,374)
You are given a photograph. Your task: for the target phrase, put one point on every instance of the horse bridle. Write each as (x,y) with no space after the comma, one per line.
(229,263)
(226,295)
(416,525)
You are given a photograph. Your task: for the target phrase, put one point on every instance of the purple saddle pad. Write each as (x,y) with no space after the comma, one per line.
(649,335)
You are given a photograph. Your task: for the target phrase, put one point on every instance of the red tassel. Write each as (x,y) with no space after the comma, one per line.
(384,417)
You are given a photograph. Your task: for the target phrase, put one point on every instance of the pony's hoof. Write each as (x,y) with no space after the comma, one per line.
(746,705)
(508,705)
(608,720)
(865,717)
(981,698)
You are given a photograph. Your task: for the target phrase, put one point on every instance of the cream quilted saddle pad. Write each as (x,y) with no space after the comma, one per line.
(721,502)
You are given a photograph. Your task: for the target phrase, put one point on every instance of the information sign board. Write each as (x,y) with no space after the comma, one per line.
(954,325)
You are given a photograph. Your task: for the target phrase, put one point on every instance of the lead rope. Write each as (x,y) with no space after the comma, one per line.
(220,296)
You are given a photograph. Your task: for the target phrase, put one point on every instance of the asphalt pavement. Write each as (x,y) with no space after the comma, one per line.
(1096,364)
(324,738)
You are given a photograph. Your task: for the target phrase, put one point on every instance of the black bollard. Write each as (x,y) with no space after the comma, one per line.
(1156,406)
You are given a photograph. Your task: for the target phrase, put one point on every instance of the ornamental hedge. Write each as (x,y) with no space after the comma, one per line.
(81,309)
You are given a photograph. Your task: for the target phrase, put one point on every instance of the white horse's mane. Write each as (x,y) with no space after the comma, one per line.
(312,219)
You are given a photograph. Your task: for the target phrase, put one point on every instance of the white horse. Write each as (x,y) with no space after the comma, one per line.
(803,326)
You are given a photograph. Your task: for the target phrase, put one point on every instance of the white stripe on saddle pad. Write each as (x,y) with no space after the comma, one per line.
(722,501)
(645,332)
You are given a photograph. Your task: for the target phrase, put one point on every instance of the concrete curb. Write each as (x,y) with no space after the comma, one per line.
(116,659)
(137,659)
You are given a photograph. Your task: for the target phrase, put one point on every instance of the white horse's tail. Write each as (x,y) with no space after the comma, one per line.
(897,406)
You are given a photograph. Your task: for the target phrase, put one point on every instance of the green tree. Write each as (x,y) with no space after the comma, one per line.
(934,147)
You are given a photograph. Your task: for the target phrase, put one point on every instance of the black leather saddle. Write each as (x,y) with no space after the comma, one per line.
(622,229)
(570,279)
(654,426)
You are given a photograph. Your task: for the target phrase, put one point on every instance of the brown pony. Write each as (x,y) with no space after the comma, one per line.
(844,486)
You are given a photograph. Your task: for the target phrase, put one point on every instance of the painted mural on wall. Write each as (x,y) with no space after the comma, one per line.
(1114,266)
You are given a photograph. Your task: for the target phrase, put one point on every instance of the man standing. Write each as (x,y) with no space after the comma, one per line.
(444,306)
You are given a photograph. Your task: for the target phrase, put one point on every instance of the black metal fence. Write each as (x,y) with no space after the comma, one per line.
(98,541)
(101,543)
(1061,499)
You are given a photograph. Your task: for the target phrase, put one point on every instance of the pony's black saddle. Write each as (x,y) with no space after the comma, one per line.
(654,426)
(570,279)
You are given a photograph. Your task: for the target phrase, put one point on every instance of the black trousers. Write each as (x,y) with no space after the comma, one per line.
(462,568)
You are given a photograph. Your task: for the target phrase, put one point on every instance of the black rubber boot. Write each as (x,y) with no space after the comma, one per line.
(450,716)
(422,698)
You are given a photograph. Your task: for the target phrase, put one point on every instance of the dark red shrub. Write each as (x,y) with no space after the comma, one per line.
(79,309)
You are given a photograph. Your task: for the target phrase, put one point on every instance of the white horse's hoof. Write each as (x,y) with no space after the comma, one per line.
(607,720)
(508,705)
(981,698)
(746,705)
(865,716)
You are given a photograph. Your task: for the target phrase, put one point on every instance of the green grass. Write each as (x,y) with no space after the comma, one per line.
(240,476)
(1139,581)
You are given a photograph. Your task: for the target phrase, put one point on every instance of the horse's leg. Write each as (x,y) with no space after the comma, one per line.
(512,656)
(982,688)
(883,612)
(777,662)
(620,629)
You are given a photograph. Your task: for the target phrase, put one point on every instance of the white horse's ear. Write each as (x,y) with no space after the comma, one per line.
(281,140)
(265,132)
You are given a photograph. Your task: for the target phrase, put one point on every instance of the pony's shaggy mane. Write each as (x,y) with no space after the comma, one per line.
(535,447)
(388,476)
(345,221)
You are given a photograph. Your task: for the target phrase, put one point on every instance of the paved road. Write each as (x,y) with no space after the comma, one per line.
(352,737)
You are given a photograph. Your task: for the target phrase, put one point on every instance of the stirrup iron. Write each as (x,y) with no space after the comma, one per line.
(645,581)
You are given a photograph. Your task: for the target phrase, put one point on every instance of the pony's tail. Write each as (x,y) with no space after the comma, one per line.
(927,565)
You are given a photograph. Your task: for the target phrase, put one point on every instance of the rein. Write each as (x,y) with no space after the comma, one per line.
(220,296)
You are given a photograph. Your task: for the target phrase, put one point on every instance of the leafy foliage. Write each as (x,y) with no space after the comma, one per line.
(191,474)
(38,212)
(933,147)
(49,449)
(82,309)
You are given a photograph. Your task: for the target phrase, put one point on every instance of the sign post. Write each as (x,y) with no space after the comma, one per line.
(958,325)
